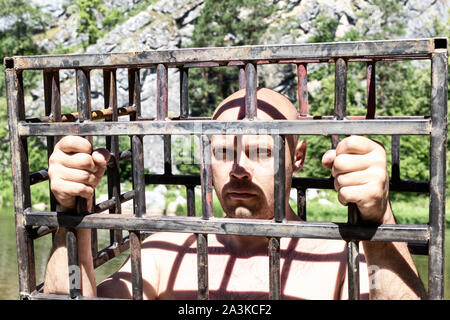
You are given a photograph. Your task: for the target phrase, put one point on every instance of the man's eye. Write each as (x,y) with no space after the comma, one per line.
(264,152)
(223,154)
(259,153)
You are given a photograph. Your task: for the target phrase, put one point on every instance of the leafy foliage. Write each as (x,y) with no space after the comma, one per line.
(88,11)
(221,24)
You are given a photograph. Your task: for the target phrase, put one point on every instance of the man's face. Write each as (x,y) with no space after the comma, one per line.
(243,174)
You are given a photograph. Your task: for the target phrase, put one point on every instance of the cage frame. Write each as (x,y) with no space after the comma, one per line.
(30,225)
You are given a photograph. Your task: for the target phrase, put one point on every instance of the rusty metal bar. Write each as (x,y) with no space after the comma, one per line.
(206,177)
(371,90)
(162,89)
(274,269)
(134,92)
(302,89)
(340,98)
(404,49)
(73,117)
(162,113)
(255,227)
(138,175)
(184,93)
(297,182)
(112,144)
(136,264)
(279,215)
(52,99)
(84,113)
(285,127)
(395,155)
(111,203)
(19,166)
(139,206)
(301,203)
(83,88)
(190,195)
(279,178)
(73,268)
(438,142)
(202,266)
(251,91)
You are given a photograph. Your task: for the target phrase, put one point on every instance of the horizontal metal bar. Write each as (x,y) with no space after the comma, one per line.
(313,127)
(95,115)
(417,48)
(297,182)
(110,203)
(266,228)
(394,185)
(50,296)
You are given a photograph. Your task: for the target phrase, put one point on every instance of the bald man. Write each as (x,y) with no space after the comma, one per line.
(243,178)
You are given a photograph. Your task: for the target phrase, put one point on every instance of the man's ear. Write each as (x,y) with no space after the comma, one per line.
(299,156)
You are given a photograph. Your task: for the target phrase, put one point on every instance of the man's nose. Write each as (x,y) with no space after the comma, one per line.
(240,169)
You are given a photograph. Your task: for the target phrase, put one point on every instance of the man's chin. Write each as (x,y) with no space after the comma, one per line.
(246,213)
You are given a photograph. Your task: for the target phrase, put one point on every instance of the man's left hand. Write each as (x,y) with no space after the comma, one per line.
(358,166)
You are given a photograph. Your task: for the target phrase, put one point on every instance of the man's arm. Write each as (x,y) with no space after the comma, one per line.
(74,170)
(358,166)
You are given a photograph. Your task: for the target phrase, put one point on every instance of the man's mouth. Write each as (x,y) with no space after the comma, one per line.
(241,195)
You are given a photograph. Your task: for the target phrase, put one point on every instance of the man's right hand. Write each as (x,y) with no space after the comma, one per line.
(75,170)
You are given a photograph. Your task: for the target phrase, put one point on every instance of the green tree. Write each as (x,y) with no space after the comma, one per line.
(221,24)
(88,10)
(21,20)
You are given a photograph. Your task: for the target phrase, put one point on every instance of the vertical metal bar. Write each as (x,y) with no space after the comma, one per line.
(242,78)
(302,89)
(190,194)
(136,264)
(134,92)
(274,269)
(279,215)
(251,91)
(84,114)
(52,98)
(162,113)
(438,141)
(301,204)
(167,154)
(112,144)
(161,92)
(206,178)
(202,267)
(137,150)
(21,186)
(340,98)
(371,90)
(395,155)
(184,93)
(279,178)
(73,268)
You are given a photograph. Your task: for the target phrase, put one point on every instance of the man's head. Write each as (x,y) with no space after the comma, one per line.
(243,166)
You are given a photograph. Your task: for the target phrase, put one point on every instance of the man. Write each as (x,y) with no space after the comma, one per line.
(243,178)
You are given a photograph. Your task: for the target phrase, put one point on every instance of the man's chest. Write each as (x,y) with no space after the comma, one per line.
(303,276)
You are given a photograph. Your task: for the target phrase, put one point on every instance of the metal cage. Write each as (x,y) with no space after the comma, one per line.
(30,225)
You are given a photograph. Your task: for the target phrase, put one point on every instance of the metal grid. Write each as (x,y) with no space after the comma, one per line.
(30,225)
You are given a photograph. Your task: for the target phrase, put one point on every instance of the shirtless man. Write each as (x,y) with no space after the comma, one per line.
(238,265)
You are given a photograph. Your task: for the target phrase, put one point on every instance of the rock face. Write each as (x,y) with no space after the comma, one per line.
(168,24)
